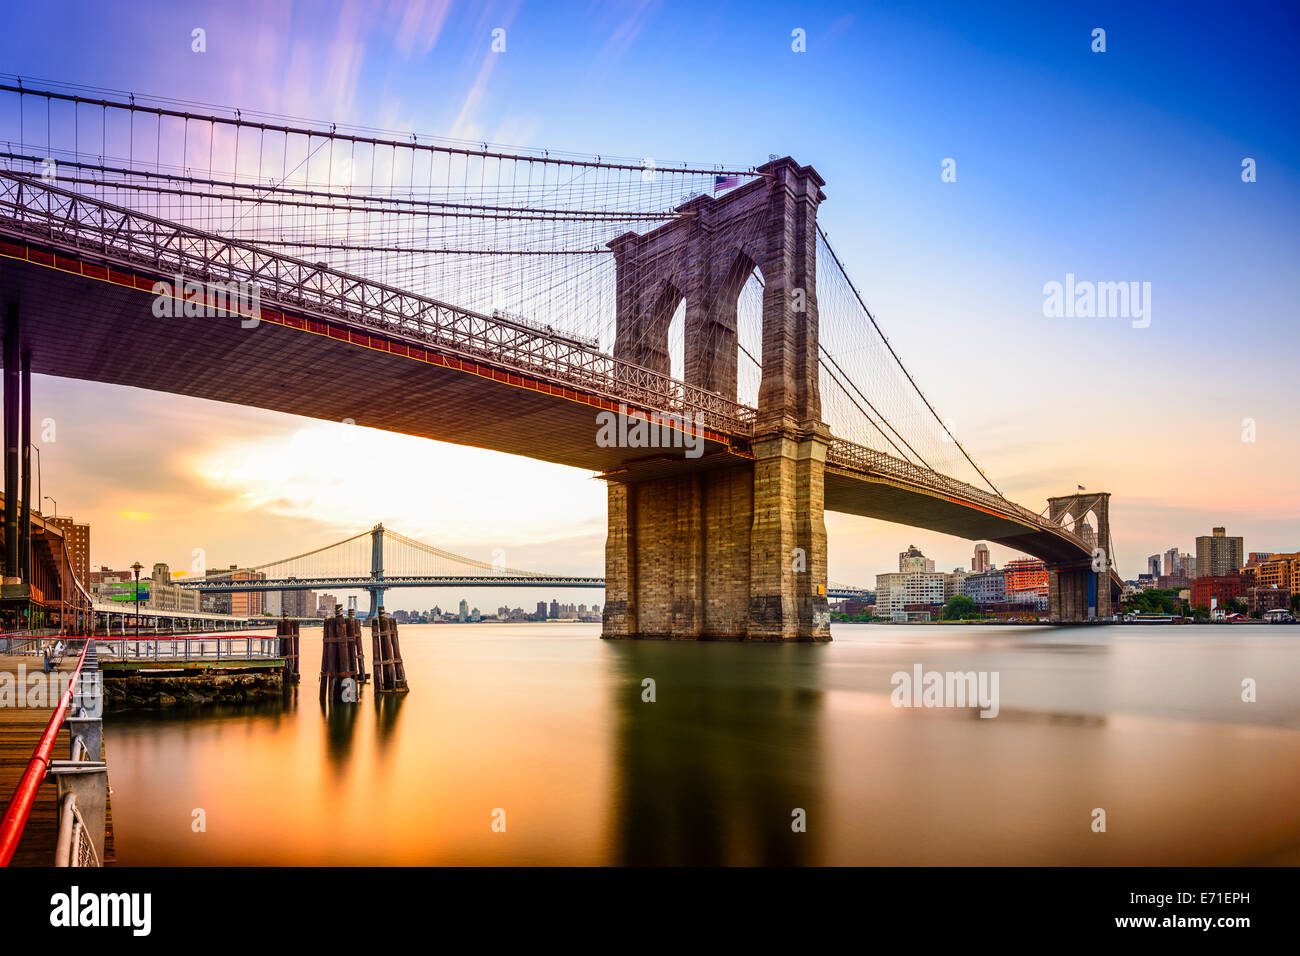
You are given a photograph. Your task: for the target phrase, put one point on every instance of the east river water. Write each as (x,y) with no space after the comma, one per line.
(542,729)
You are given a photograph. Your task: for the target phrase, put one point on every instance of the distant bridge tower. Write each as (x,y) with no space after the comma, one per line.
(1081,590)
(376,569)
(730,551)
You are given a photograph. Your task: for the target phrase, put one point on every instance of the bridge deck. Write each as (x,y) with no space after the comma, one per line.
(76,321)
(858,494)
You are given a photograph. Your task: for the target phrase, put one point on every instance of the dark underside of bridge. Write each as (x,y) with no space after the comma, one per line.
(92,329)
(856,494)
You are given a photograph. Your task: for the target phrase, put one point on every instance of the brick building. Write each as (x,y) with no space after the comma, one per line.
(1267,599)
(1279,570)
(1026,581)
(78,538)
(1222,588)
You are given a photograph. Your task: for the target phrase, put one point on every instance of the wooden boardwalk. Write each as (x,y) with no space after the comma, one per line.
(20,731)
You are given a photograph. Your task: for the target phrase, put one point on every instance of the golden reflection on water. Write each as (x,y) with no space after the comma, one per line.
(547,723)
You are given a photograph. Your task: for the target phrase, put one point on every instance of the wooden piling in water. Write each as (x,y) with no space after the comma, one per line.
(356,657)
(287,632)
(395,657)
(358,645)
(376,654)
(338,661)
(390,674)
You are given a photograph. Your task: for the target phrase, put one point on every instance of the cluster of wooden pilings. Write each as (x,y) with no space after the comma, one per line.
(287,632)
(342,663)
(390,673)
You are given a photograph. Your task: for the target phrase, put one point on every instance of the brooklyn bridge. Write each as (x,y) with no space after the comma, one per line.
(506,299)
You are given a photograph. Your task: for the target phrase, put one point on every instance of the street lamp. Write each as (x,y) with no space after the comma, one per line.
(136,568)
(56,505)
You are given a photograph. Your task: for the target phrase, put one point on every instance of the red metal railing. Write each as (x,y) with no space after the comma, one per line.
(20,806)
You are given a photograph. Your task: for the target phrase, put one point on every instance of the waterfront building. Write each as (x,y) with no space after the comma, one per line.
(1279,570)
(165,595)
(895,591)
(325,605)
(240,603)
(952,583)
(913,560)
(109,586)
(1027,581)
(986,587)
(462,613)
(77,537)
(1264,599)
(295,603)
(96,577)
(1216,590)
(1217,554)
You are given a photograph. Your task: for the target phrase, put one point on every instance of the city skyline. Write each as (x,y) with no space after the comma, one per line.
(563,554)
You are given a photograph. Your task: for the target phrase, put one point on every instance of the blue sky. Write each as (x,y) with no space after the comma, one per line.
(1123,165)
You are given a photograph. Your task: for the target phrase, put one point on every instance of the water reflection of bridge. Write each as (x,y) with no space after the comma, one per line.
(715,769)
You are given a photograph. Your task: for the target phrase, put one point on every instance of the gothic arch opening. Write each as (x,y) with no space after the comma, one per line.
(738,315)
(677,341)
(749,340)
(657,350)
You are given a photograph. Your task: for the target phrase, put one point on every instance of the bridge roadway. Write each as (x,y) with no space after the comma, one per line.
(333,346)
(225,586)
(360,583)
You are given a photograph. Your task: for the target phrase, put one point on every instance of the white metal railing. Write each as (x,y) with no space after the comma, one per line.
(74,846)
(212,647)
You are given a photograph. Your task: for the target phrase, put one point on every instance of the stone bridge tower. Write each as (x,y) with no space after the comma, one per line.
(1081,591)
(732,548)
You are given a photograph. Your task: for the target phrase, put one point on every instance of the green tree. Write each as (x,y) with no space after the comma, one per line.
(959,608)
(1153,601)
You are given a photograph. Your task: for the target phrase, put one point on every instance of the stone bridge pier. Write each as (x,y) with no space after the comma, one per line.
(727,549)
(1081,590)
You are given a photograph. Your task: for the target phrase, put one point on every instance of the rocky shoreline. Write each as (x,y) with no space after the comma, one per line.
(136,692)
